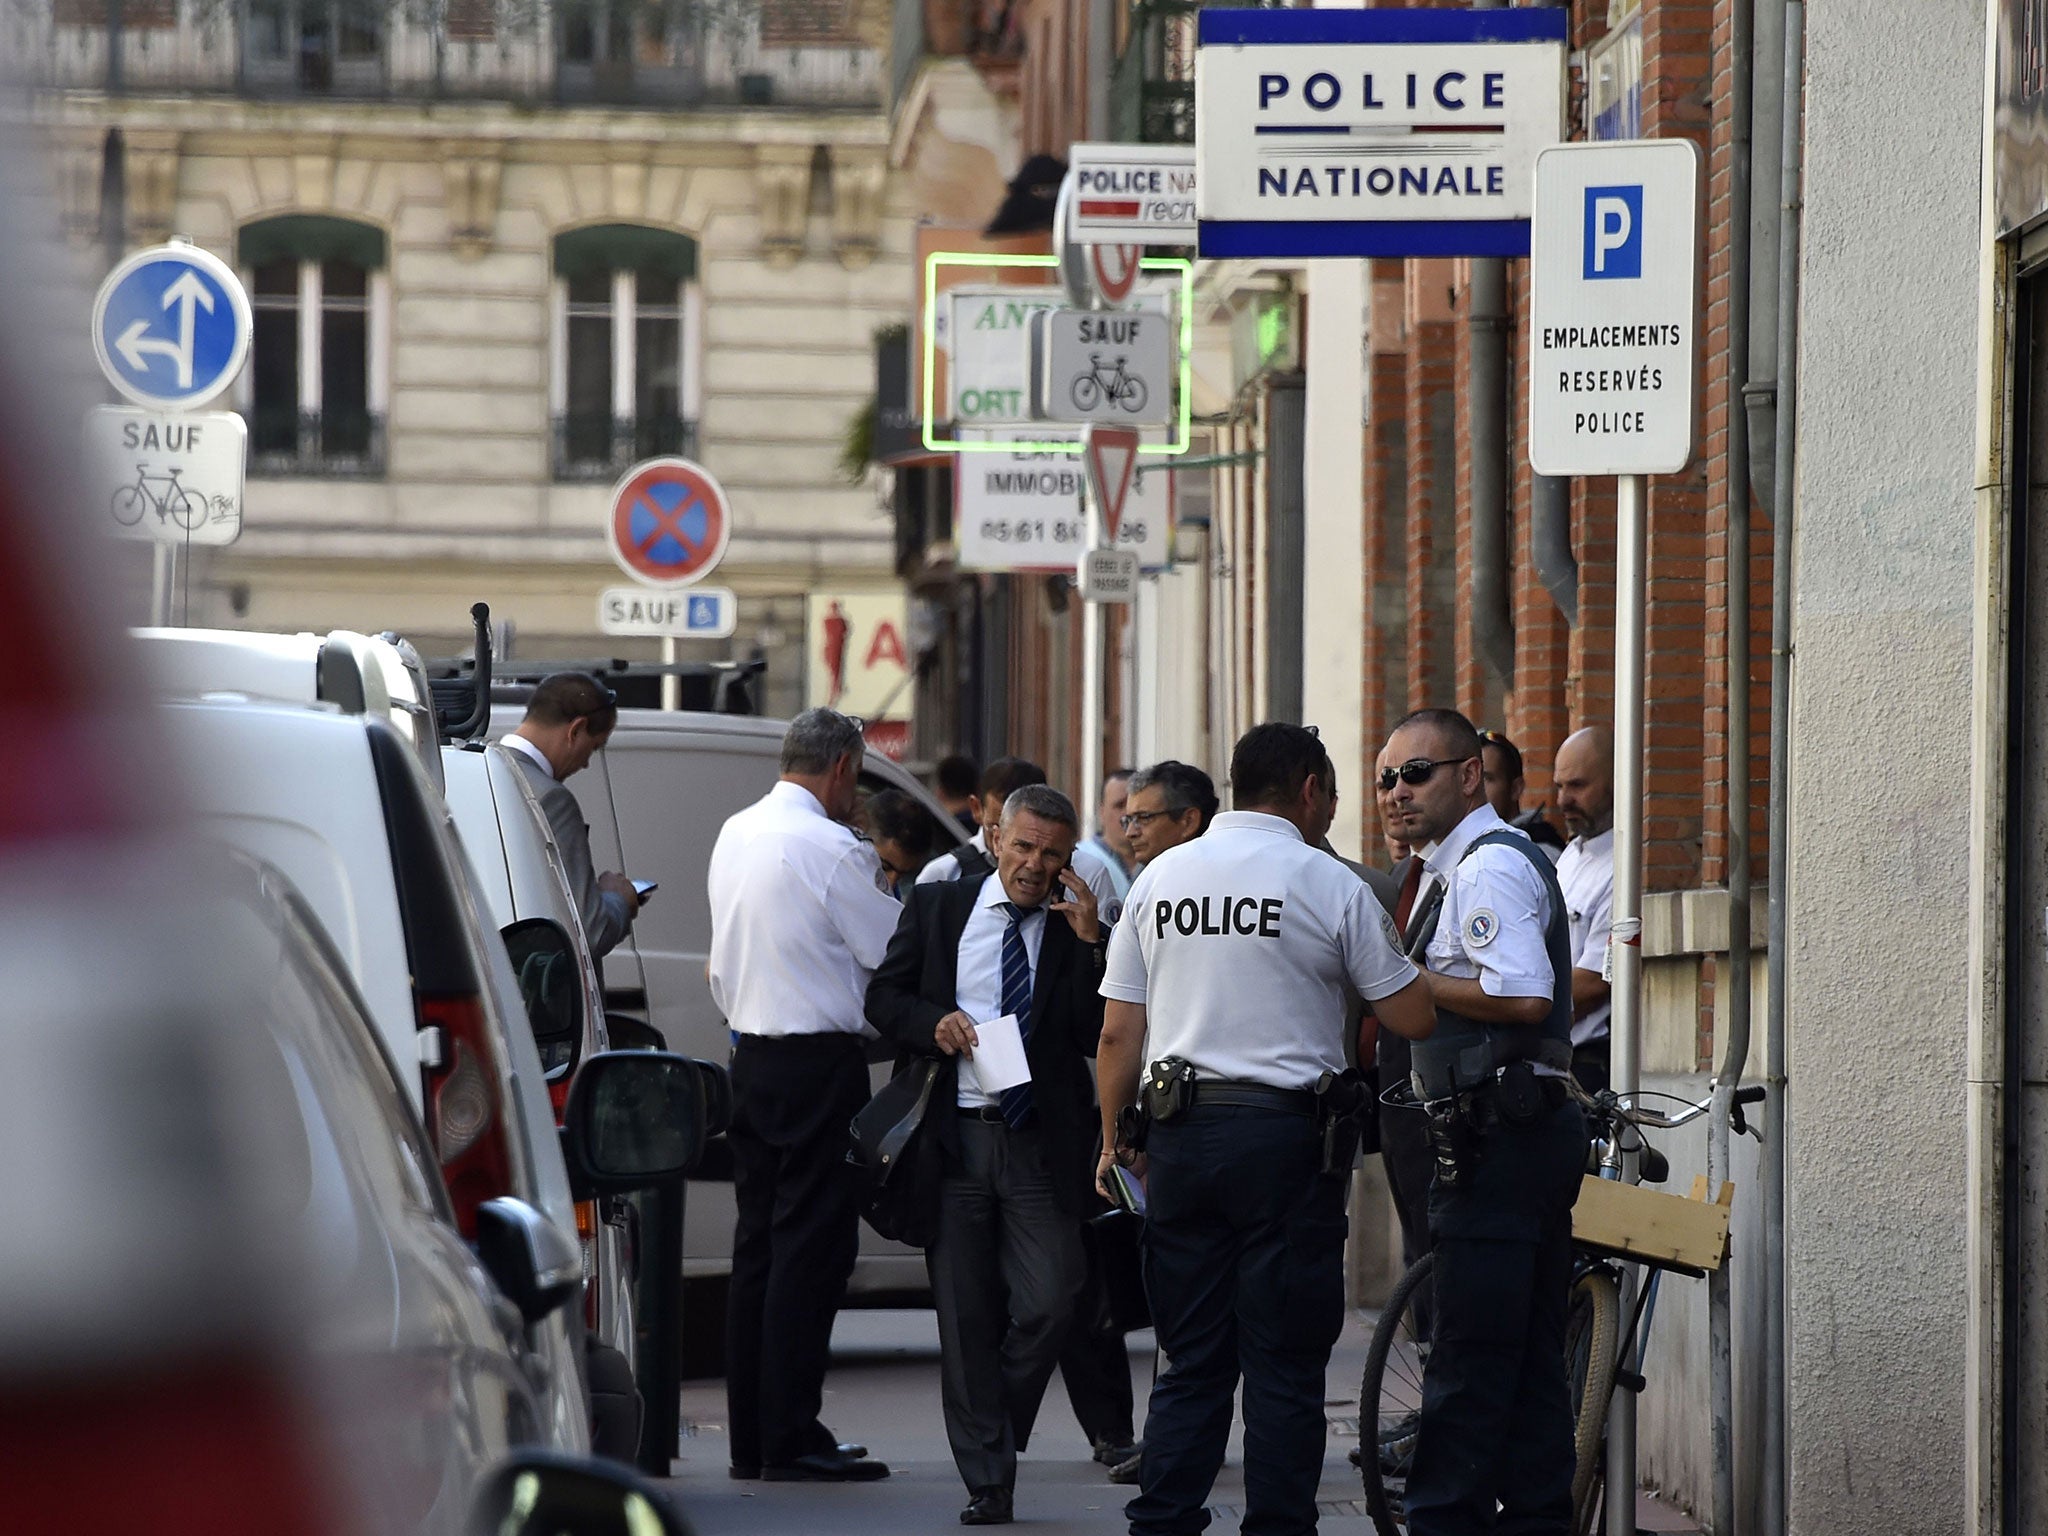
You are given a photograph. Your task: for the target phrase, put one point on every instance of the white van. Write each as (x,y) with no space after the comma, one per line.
(520,878)
(655,799)
(358,674)
(341,806)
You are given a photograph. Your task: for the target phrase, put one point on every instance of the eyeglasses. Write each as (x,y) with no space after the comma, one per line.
(1416,770)
(1131,821)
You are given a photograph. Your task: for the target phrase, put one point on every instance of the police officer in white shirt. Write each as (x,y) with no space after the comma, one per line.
(1584,779)
(1230,969)
(799,922)
(1510,1144)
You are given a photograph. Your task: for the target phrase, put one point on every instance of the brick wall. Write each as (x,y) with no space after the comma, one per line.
(1417,536)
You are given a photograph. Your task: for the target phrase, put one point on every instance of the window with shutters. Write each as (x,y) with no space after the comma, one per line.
(315,388)
(624,377)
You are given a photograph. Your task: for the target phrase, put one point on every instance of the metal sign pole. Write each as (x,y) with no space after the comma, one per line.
(160,581)
(1091,676)
(671,685)
(1630,583)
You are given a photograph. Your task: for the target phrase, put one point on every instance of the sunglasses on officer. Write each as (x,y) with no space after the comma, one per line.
(1417,770)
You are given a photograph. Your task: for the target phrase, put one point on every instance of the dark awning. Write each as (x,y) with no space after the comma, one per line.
(625,247)
(310,237)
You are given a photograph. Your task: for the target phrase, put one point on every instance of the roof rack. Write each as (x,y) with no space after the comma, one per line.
(713,687)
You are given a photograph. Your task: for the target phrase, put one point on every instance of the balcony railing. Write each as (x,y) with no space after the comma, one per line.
(651,53)
(600,447)
(334,444)
(1152,89)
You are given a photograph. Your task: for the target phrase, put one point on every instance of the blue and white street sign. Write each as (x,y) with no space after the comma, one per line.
(1613,308)
(1373,132)
(700,613)
(171,326)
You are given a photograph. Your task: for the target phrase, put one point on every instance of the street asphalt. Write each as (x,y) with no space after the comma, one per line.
(883,1391)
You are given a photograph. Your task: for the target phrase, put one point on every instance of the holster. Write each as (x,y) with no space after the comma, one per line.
(1168,1089)
(1453,1142)
(1131,1125)
(1341,1105)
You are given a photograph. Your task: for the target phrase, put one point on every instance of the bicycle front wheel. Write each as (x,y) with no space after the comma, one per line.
(1592,1332)
(1390,1399)
(1087,392)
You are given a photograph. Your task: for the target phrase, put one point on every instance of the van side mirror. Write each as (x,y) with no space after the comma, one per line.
(551,985)
(535,1263)
(636,1119)
(627,1033)
(548,1493)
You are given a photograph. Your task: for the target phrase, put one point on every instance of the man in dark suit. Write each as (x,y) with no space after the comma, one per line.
(1016,1164)
(568,720)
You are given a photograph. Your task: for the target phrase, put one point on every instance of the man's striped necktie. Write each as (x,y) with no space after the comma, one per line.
(1018,1111)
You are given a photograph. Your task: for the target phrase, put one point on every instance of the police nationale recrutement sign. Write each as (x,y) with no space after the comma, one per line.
(1373,133)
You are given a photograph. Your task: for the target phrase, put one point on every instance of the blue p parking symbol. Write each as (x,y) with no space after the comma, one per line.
(1614,232)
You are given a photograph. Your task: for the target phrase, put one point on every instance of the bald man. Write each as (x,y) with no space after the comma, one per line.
(1583,781)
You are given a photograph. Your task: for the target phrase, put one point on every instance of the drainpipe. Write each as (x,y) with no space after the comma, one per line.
(1736,979)
(1775,1451)
(1767,134)
(1493,627)
(1550,536)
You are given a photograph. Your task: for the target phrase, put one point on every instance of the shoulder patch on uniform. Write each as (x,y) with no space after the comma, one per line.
(1482,928)
(1387,926)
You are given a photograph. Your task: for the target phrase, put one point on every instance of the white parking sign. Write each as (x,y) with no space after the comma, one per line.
(1614,262)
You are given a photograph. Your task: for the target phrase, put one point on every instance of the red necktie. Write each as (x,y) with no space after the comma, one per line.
(1411,887)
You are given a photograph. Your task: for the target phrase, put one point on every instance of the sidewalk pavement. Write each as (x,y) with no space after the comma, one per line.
(883,1391)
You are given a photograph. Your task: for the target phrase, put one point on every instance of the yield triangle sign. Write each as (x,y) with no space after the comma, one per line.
(1109,455)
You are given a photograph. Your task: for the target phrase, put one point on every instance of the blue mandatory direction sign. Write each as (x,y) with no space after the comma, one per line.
(171,326)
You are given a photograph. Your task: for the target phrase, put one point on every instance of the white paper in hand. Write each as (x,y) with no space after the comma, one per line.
(998,1061)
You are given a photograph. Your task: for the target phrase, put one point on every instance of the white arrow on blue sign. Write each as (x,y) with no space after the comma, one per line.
(171,326)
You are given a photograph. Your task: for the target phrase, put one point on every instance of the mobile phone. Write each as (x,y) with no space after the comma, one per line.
(1126,1191)
(645,888)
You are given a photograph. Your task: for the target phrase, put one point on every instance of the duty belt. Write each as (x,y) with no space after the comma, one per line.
(1480,1105)
(1223,1091)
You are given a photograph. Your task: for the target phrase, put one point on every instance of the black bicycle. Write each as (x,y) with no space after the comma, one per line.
(1596,1343)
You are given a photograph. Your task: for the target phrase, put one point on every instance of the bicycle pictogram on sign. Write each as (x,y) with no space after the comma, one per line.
(669,522)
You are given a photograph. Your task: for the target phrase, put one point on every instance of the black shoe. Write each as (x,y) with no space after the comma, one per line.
(1110,1451)
(850,1451)
(825,1467)
(744,1471)
(991,1506)
(1125,1473)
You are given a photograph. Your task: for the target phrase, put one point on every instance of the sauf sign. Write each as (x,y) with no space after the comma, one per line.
(1373,133)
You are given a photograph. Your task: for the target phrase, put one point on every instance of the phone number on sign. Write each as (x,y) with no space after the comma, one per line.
(1039,530)
(1030,530)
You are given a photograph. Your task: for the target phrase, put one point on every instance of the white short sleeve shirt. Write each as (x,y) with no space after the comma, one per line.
(1495,912)
(1586,876)
(1240,944)
(799,920)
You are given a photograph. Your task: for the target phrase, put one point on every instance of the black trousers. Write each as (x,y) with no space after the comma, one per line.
(1096,1365)
(1496,1411)
(1244,1266)
(1005,1263)
(1410,1164)
(794,1243)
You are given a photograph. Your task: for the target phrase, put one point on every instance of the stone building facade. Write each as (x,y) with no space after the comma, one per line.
(494,263)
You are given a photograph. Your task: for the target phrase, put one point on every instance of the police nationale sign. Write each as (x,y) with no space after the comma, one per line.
(1373,133)
(1613,278)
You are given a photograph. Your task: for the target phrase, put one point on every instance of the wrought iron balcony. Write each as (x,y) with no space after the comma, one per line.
(650,53)
(1152,90)
(332,444)
(596,446)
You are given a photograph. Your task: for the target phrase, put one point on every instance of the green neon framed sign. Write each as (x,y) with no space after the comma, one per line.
(1181,428)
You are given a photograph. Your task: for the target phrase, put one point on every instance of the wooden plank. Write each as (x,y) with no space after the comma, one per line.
(1630,1221)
